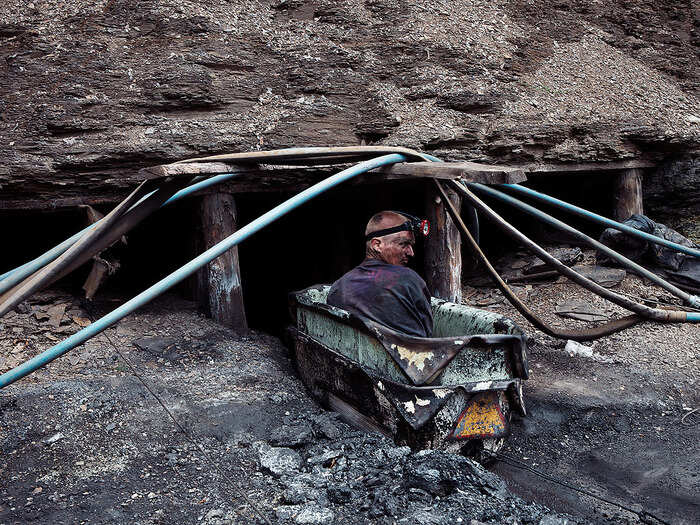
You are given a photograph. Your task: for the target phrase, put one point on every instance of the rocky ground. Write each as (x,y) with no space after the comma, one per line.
(84,441)
(615,417)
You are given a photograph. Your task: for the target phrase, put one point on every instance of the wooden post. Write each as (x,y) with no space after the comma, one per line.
(443,255)
(628,194)
(218,284)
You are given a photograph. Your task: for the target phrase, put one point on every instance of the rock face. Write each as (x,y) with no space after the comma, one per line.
(672,192)
(92,91)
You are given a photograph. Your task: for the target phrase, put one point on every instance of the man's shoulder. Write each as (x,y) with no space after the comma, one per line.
(407,272)
(403,275)
(379,272)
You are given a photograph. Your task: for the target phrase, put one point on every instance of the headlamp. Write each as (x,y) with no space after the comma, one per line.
(419,227)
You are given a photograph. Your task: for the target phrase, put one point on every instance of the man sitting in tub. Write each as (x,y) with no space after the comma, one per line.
(382,288)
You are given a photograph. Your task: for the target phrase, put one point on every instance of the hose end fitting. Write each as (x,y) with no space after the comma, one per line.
(694,301)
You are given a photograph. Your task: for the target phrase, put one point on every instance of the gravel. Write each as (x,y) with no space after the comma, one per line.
(87,442)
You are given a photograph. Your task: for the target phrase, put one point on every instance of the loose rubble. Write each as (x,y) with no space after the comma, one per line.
(88,442)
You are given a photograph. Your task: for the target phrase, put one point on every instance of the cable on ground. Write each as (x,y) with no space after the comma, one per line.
(524,466)
(179,426)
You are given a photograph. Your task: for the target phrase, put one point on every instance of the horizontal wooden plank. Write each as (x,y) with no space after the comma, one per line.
(587,166)
(469,171)
(199,168)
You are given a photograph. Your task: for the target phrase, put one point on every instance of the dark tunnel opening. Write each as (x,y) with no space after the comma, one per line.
(313,244)
(589,190)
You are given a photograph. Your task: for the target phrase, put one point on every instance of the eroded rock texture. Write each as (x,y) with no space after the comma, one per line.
(673,193)
(91,91)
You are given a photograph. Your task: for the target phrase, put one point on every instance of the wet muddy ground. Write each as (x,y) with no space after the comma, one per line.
(84,442)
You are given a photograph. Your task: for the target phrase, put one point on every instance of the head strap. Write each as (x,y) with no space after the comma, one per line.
(413,224)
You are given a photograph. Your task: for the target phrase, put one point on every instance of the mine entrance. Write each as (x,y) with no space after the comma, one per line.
(593,191)
(36,231)
(314,244)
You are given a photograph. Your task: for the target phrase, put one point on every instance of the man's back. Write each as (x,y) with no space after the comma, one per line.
(390,294)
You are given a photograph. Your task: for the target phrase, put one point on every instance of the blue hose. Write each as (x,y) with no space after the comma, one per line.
(11,278)
(600,219)
(188,269)
(692,300)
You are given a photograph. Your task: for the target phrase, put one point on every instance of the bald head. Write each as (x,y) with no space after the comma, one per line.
(384,220)
(393,248)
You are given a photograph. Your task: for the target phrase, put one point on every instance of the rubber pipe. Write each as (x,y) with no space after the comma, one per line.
(331,153)
(666,316)
(188,269)
(600,219)
(586,334)
(691,300)
(11,278)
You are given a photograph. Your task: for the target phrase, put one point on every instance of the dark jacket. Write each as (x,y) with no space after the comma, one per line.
(394,296)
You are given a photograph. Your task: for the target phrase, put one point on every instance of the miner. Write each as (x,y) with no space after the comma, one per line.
(382,287)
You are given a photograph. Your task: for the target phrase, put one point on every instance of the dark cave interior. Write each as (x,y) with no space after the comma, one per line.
(313,244)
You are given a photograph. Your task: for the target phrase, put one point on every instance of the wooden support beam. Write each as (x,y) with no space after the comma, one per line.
(443,254)
(628,194)
(288,178)
(556,169)
(194,168)
(218,285)
(469,171)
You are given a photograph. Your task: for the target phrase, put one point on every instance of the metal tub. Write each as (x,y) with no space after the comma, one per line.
(454,391)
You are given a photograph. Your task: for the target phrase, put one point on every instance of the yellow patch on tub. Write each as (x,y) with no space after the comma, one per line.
(416,359)
(481,418)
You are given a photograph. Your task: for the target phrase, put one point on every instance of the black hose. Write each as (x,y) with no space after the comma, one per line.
(666,316)
(577,335)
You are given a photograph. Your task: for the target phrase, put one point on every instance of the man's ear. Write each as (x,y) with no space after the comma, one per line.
(375,243)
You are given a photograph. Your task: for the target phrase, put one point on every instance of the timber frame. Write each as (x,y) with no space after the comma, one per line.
(219,287)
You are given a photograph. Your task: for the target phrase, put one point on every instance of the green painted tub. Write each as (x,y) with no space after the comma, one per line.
(454,391)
